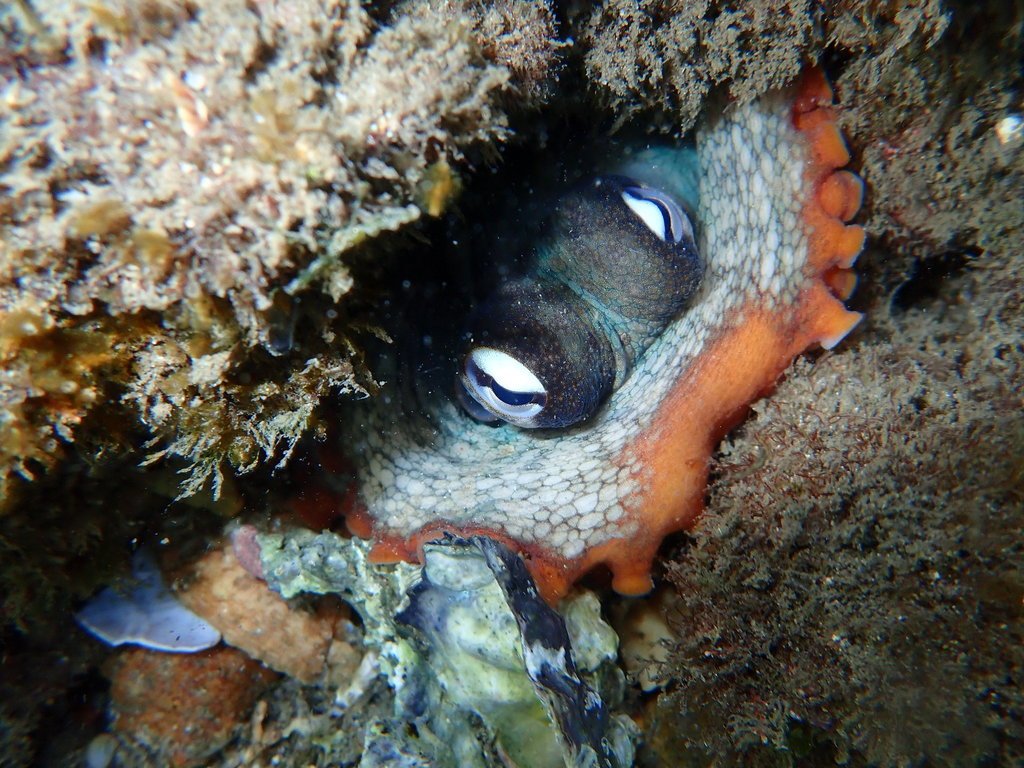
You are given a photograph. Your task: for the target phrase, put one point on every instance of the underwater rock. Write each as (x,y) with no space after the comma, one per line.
(310,644)
(183,707)
(485,623)
(666,58)
(467,639)
(191,168)
(647,640)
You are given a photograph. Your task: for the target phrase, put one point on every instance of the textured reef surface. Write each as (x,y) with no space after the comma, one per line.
(213,214)
(181,182)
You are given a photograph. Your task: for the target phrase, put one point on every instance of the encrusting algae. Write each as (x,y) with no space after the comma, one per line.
(194,167)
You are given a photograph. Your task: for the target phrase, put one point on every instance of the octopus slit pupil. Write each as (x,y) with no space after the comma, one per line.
(512,398)
(507,396)
(650,205)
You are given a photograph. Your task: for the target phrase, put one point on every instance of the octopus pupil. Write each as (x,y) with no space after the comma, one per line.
(510,397)
(670,234)
(674,223)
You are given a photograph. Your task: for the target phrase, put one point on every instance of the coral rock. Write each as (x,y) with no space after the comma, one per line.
(184,707)
(306,645)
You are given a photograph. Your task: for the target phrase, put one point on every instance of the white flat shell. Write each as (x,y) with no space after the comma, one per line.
(144,612)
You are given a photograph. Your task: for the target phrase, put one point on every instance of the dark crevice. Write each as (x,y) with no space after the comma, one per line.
(262,58)
(928,276)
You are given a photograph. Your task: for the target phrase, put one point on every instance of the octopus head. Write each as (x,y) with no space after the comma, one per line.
(617,264)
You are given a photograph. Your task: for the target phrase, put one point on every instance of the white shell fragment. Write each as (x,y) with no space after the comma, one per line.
(143,612)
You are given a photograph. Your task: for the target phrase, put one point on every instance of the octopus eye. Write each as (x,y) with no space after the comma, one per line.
(659,212)
(503,386)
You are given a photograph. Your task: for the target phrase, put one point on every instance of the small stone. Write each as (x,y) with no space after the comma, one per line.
(100,751)
(184,707)
(254,618)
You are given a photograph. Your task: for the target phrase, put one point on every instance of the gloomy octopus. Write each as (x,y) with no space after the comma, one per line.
(669,292)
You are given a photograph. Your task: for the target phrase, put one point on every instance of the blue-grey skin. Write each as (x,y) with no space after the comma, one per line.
(604,282)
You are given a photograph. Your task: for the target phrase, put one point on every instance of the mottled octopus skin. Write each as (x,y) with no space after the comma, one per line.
(772,213)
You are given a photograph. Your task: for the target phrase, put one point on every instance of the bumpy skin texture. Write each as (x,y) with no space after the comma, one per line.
(771,230)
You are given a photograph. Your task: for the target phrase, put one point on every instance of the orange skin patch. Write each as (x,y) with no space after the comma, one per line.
(737,365)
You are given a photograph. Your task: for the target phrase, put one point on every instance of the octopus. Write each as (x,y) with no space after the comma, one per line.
(734,254)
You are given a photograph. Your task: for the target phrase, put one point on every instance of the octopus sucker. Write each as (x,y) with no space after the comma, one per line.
(771,203)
